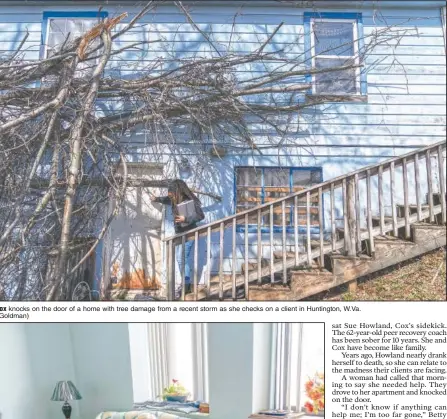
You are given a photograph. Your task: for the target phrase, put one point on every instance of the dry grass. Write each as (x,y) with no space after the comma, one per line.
(421,279)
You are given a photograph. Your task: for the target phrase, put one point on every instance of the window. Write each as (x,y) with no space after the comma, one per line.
(297,356)
(162,352)
(58,27)
(259,185)
(335,40)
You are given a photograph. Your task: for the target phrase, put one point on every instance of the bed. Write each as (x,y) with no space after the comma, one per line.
(137,414)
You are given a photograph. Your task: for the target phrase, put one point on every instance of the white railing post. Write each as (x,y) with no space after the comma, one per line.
(170,277)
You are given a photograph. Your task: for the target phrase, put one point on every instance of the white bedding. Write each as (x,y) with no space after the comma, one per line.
(136,414)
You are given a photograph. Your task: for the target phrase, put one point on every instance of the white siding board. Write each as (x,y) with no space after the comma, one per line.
(410,79)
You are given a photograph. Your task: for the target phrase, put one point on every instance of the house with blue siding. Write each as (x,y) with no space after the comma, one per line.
(391,103)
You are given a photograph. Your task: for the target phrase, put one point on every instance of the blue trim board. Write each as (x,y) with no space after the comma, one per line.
(253,229)
(73,14)
(308,16)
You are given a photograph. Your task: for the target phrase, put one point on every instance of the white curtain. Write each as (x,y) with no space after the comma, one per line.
(158,358)
(286,366)
(178,351)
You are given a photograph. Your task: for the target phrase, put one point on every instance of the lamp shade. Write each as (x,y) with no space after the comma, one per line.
(65,390)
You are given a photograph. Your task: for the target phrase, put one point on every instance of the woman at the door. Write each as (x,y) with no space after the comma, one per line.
(179,192)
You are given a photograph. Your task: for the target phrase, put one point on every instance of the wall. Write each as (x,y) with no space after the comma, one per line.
(101,357)
(17,395)
(262,352)
(141,381)
(95,357)
(239,368)
(33,359)
(50,354)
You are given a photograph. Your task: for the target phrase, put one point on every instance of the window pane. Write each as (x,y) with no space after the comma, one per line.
(59,29)
(57,25)
(301,178)
(332,38)
(277,185)
(277,177)
(180,354)
(248,176)
(315,176)
(335,82)
(74,27)
(55,39)
(249,190)
(248,198)
(304,178)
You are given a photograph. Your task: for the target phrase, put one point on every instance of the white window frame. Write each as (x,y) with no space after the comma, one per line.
(151,369)
(282,374)
(356,54)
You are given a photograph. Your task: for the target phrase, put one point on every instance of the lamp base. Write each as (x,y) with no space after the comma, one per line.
(66,410)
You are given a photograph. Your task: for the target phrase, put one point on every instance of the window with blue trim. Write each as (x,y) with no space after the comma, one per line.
(61,27)
(335,40)
(260,185)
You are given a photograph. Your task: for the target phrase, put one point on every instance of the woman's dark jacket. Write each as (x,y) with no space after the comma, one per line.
(165,200)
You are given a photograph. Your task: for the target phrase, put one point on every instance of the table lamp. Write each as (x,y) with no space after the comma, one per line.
(64,391)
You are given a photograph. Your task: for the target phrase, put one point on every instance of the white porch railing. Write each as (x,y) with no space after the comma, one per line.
(383,198)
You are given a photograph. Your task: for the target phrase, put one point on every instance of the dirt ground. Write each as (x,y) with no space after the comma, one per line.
(423,278)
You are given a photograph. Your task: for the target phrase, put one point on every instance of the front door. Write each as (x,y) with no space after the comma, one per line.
(134,242)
